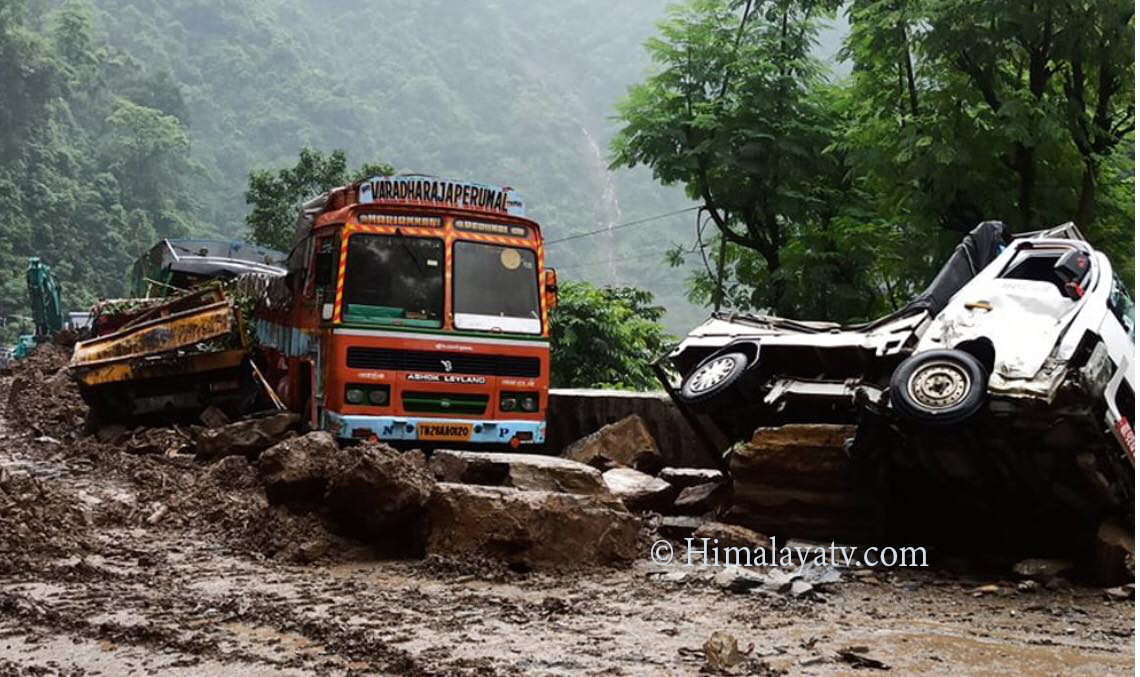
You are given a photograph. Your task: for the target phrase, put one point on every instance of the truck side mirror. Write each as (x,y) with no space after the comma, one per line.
(550,288)
(1071,270)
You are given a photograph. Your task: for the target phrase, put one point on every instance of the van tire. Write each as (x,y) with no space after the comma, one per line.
(939,387)
(713,377)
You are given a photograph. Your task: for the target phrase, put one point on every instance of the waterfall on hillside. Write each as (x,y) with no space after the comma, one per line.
(609,211)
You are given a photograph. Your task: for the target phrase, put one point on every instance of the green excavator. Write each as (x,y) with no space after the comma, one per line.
(47,313)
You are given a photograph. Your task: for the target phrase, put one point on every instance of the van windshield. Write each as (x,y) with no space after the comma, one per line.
(1120,303)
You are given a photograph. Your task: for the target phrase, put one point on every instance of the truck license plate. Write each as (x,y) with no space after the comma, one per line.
(452,432)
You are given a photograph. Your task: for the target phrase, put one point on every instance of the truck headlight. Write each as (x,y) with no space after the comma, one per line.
(378,396)
(508,403)
(529,403)
(354,395)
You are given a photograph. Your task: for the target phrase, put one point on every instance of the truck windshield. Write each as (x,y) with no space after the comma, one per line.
(496,288)
(394,279)
(1120,303)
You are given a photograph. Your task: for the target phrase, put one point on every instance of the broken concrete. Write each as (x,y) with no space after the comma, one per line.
(245,438)
(682,478)
(379,495)
(530,472)
(297,470)
(637,490)
(626,443)
(529,529)
(701,499)
(731,536)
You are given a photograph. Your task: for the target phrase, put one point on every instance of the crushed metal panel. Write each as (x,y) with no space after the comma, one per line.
(1023,319)
(180,330)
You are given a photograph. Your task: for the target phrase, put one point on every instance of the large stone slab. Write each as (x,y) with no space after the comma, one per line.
(798,480)
(626,443)
(530,472)
(529,529)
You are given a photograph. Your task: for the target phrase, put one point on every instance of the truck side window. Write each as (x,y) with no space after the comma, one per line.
(325,263)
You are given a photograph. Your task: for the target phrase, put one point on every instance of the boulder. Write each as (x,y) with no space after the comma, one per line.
(529,529)
(530,472)
(683,478)
(245,438)
(731,536)
(379,495)
(637,490)
(700,499)
(297,470)
(624,443)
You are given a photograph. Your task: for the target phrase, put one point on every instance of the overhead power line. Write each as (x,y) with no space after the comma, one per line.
(619,226)
(616,260)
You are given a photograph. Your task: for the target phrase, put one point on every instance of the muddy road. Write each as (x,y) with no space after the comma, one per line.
(120,554)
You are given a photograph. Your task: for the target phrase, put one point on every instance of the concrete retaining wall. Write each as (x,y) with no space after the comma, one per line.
(575,413)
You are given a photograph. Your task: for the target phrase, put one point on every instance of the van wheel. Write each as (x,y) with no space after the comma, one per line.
(713,377)
(939,387)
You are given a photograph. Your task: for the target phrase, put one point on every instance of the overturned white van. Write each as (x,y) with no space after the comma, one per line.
(1032,330)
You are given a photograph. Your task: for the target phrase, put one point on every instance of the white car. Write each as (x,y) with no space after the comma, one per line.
(1034,325)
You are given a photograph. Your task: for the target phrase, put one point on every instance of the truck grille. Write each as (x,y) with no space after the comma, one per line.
(430,361)
(444,403)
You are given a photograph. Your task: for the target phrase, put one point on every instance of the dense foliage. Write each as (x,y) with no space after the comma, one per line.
(275,198)
(93,156)
(509,91)
(839,200)
(605,338)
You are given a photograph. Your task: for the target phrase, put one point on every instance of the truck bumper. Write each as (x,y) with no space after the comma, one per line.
(409,428)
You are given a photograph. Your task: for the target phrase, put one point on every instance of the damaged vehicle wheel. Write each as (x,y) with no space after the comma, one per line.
(713,377)
(939,387)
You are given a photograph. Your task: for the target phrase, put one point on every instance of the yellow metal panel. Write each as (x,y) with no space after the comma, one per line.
(155,367)
(161,335)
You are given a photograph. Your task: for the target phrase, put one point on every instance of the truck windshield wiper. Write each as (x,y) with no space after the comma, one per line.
(408,248)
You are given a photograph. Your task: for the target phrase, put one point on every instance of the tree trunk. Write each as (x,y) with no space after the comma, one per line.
(1025,160)
(1088,194)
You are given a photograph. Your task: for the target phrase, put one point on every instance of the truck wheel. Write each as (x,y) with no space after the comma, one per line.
(713,377)
(939,387)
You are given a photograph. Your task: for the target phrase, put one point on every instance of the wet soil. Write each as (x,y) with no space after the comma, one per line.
(120,554)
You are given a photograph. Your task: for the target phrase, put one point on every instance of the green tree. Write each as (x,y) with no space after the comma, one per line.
(276,197)
(735,113)
(605,338)
(964,110)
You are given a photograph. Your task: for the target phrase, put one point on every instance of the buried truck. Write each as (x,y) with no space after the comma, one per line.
(182,344)
(415,310)
(1022,346)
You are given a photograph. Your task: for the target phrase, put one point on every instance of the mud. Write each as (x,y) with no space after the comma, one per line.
(115,561)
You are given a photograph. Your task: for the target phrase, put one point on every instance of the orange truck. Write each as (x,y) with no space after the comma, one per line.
(414,310)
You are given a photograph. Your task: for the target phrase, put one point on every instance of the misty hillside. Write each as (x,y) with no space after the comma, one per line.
(502,91)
